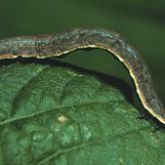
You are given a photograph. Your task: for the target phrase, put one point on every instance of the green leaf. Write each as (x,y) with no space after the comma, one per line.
(56,115)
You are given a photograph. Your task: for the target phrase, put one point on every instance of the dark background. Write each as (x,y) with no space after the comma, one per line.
(142,22)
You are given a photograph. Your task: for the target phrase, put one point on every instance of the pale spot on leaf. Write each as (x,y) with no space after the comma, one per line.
(62,119)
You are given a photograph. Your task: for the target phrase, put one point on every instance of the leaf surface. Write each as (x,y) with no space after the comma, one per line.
(57,115)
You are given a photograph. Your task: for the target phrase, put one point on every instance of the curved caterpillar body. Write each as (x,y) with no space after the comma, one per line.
(57,45)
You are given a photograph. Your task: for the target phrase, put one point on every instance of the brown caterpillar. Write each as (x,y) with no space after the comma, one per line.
(57,45)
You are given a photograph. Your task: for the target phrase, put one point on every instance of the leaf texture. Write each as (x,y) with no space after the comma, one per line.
(56,115)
